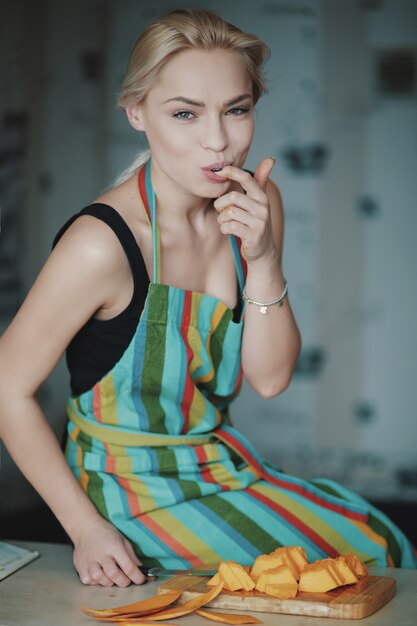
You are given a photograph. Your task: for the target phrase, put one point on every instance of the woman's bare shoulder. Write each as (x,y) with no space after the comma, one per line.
(93,237)
(91,249)
(88,239)
(80,277)
(125,199)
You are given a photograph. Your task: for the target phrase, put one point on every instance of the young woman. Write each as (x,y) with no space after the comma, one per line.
(165,292)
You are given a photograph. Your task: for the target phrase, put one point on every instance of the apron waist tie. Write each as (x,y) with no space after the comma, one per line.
(113,435)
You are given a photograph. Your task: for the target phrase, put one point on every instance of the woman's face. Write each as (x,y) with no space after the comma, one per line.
(199,114)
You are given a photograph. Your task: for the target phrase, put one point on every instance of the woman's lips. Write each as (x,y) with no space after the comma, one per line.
(213,177)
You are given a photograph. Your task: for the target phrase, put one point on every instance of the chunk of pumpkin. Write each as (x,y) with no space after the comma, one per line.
(264,562)
(356,565)
(276,576)
(346,573)
(235,577)
(293,556)
(214,580)
(326,574)
(283,591)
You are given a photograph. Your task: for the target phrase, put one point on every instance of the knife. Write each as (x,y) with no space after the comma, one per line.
(160,571)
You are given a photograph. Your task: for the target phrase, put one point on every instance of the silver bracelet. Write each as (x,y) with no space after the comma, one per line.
(263,306)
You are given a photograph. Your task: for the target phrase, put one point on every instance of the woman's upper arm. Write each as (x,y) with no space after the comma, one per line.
(277,215)
(72,285)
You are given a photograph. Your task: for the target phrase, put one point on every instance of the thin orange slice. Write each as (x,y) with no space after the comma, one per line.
(122,617)
(117,619)
(187,607)
(138,622)
(146,606)
(228,618)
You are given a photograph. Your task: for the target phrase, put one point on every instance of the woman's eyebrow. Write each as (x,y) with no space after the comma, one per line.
(243,96)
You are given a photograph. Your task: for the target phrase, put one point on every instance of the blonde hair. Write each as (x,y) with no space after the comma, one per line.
(177,31)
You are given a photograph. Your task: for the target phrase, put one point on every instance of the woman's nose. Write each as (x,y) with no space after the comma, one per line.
(214,136)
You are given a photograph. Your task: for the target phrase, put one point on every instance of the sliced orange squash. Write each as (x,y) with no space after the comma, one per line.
(138,621)
(214,580)
(154,603)
(228,618)
(262,563)
(187,607)
(326,574)
(293,556)
(283,591)
(354,563)
(276,576)
(121,619)
(235,577)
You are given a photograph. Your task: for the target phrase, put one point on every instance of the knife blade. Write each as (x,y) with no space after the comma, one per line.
(160,571)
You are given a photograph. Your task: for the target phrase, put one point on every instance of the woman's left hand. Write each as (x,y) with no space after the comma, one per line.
(247,215)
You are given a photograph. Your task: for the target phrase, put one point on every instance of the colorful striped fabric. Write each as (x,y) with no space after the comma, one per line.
(153,446)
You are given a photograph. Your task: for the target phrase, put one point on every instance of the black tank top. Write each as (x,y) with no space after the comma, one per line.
(99,344)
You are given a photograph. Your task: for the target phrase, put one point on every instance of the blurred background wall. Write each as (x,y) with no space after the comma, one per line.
(341,120)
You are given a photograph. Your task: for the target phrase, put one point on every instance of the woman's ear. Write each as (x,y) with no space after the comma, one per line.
(134,115)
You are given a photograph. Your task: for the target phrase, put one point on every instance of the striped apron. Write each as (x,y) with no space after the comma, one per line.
(153,446)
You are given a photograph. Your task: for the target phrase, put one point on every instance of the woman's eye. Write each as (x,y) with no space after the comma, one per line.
(183,115)
(188,115)
(238,111)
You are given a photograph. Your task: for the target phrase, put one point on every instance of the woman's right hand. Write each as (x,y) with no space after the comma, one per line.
(103,556)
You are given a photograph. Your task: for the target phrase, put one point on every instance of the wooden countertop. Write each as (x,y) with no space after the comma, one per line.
(48,592)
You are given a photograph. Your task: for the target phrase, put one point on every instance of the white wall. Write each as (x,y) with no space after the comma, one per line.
(354,294)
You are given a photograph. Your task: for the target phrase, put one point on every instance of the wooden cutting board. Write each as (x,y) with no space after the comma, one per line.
(348,602)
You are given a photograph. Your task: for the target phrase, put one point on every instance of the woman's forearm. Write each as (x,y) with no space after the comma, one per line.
(35,450)
(271,342)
